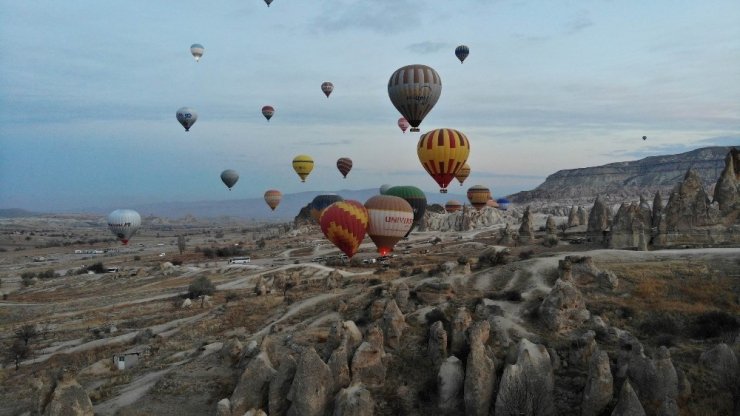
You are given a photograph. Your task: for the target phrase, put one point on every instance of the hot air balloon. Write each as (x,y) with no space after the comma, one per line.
(303,165)
(415,197)
(390,219)
(443,152)
(453,206)
(462,52)
(273,198)
(229,177)
(327,88)
(644,137)
(463,173)
(344,223)
(403,124)
(478,195)
(268,111)
(268,2)
(344,164)
(320,202)
(124,223)
(187,117)
(503,203)
(413,90)
(197,50)
(383,188)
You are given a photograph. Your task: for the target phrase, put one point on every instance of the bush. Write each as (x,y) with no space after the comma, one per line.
(199,287)
(177,262)
(660,324)
(404,273)
(509,295)
(526,254)
(417,270)
(97,268)
(713,324)
(137,258)
(493,257)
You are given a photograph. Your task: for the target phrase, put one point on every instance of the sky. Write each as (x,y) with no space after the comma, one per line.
(89,91)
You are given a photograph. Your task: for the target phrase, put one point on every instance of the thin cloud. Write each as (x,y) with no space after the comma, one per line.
(325,143)
(578,23)
(427,47)
(673,148)
(380,16)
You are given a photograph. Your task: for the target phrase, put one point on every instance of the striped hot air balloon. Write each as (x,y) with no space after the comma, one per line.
(390,219)
(463,173)
(403,124)
(124,223)
(197,50)
(413,90)
(268,111)
(303,165)
(273,198)
(462,52)
(478,195)
(453,205)
(415,197)
(344,164)
(344,223)
(327,87)
(443,152)
(320,202)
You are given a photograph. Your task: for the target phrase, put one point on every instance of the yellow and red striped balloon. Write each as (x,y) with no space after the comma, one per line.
(344,223)
(478,195)
(453,206)
(344,164)
(391,218)
(273,198)
(443,152)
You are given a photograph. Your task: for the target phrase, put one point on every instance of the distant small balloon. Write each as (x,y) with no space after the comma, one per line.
(187,117)
(327,88)
(229,178)
(403,124)
(268,111)
(344,164)
(462,52)
(273,198)
(644,137)
(383,188)
(197,50)
(268,2)
(303,165)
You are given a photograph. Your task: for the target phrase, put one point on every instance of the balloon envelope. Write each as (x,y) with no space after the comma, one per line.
(390,219)
(462,52)
(443,152)
(229,177)
(403,124)
(197,50)
(273,198)
(303,165)
(463,173)
(187,117)
(344,223)
(383,188)
(503,203)
(268,2)
(344,164)
(453,205)
(415,197)
(268,112)
(124,223)
(413,90)
(327,88)
(320,202)
(478,195)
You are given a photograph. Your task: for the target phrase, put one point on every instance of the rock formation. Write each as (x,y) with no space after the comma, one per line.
(564,308)
(598,220)
(393,325)
(458,329)
(573,220)
(628,403)
(355,400)
(480,373)
(727,190)
(223,407)
(582,216)
(69,399)
(252,390)
(527,386)
(508,236)
(402,296)
(689,205)
(450,384)
(280,386)
(526,229)
(339,366)
(463,220)
(310,392)
(628,225)
(437,345)
(367,365)
(599,385)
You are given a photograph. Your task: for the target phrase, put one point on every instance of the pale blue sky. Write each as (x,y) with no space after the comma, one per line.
(89,90)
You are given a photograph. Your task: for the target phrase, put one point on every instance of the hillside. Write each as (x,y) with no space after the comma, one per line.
(628,180)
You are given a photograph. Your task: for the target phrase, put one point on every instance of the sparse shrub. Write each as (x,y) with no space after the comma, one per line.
(231,296)
(666,340)
(143,336)
(98,267)
(28,275)
(550,241)
(509,295)
(551,275)
(27,281)
(200,286)
(526,254)
(493,258)
(404,273)
(660,324)
(374,281)
(355,262)
(137,258)
(625,312)
(713,324)
(462,260)
(407,263)
(48,274)
(177,262)
(417,270)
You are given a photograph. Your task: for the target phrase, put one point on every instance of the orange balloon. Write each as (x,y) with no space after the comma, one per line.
(344,223)
(273,198)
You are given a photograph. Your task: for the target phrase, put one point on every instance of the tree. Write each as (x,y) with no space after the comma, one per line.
(181,243)
(17,352)
(26,333)
(200,288)
(563,227)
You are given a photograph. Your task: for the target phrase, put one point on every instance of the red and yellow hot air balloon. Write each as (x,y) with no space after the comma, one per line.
(390,219)
(463,173)
(478,195)
(273,198)
(453,205)
(268,111)
(403,124)
(344,223)
(344,164)
(443,152)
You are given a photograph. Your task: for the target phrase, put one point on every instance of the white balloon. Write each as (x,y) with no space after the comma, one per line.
(124,223)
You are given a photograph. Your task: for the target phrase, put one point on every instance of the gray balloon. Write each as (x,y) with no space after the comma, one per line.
(124,223)
(229,176)
(187,117)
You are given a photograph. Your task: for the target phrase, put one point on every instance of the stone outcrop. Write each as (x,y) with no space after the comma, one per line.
(526,229)
(458,328)
(582,216)
(355,400)
(727,190)
(599,220)
(628,403)
(463,220)
(628,225)
(310,392)
(252,390)
(393,325)
(231,352)
(551,228)
(437,345)
(722,362)
(599,385)
(339,366)
(689,205)
(564,308)
(223,407)
(367,365)
(527,386)
(280,386)
(69,399)
(434,291)
(667,385)
(573,220)
(508,236)
(480,373)
(450,383)
(402,296)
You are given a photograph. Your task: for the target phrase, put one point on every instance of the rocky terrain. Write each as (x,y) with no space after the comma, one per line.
(591,311)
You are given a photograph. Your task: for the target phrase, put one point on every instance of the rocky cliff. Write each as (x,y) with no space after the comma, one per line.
(621,181)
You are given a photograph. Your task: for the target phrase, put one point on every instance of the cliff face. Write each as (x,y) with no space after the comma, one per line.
(629,180)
